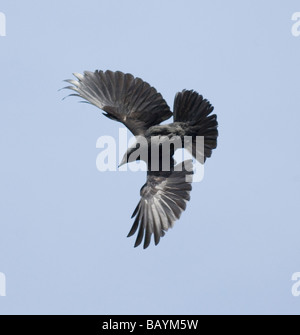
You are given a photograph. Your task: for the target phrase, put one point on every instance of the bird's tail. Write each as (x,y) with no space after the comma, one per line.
(195,112)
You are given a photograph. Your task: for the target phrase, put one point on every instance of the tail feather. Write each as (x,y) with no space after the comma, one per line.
(192,109)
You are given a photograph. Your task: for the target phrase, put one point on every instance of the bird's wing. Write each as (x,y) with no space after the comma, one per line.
(123,97)
(163,199)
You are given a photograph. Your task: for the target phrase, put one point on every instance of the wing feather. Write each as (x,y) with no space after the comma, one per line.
(163,199)
(123,97)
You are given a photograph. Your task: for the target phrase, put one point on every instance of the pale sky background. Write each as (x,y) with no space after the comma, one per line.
(63,224)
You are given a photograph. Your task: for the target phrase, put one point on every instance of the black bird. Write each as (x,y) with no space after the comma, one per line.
(141,109)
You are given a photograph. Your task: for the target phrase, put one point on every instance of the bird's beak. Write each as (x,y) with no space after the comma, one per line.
(123,161)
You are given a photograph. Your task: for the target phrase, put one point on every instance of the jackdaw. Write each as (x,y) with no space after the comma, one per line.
(141,109)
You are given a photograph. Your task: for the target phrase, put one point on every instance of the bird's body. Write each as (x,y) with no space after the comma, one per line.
(173,129)
(141,109)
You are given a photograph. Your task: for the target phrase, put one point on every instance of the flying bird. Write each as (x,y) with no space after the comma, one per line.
(132,101)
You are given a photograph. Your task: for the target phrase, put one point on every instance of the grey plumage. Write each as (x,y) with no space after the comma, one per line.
(163,199)
(141,109)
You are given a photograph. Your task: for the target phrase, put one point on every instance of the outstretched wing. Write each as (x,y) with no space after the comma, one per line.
(163,199)
(123,97)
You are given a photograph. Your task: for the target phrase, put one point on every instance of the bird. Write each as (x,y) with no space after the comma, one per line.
(135,103)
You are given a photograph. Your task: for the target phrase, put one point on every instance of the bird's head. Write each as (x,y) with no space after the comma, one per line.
(130,155)
(137,151)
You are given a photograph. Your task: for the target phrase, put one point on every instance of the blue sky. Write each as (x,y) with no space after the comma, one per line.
(63,224)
